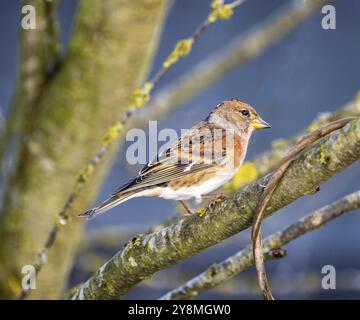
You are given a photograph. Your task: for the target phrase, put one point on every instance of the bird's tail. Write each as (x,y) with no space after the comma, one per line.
(113,201)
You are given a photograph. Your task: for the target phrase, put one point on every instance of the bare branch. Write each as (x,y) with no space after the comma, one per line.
(239,262)
(40,51)
(239,51)
(303,143)
(64,128)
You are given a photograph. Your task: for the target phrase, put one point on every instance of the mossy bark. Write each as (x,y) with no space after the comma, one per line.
(242,260)
(109,55)
(40,51)
(147,254)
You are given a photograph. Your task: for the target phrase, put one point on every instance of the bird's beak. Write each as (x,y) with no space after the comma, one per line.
(259,123)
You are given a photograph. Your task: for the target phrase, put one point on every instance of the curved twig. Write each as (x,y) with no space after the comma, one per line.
(241,261)
(269,190)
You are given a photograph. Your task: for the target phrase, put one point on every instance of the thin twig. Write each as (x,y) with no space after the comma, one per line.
(242,260)
(140,98)
(242,49)
(269,190)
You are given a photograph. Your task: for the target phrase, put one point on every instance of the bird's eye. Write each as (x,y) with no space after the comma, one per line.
(245,112)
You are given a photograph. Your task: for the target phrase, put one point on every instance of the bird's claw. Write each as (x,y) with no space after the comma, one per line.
(219,197)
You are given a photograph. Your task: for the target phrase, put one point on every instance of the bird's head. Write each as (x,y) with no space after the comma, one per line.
(240,115)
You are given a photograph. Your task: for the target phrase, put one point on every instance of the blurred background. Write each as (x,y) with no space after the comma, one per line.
(307,72)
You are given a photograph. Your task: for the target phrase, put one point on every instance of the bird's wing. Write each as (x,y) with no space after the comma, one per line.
(192,152)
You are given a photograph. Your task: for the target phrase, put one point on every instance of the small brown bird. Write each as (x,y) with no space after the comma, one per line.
(200,161)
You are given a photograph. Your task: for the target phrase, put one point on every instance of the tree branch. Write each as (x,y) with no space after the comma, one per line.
(242,49)
(272,184)
(147,254)
(40,50)
(239,262)
(61,133)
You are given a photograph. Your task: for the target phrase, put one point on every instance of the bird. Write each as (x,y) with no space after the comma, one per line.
(203,159)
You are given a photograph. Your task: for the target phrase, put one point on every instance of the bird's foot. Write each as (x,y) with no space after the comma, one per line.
(188,210)
(214,197)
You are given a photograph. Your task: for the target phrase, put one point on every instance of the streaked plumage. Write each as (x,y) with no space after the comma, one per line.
(200,161)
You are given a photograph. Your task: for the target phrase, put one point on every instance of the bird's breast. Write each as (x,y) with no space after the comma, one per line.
(196,185)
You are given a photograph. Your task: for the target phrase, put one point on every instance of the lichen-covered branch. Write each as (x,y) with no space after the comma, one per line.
(239,51)
(220,272)
(40,51)
(62,131)
(271,186)
(146,254)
